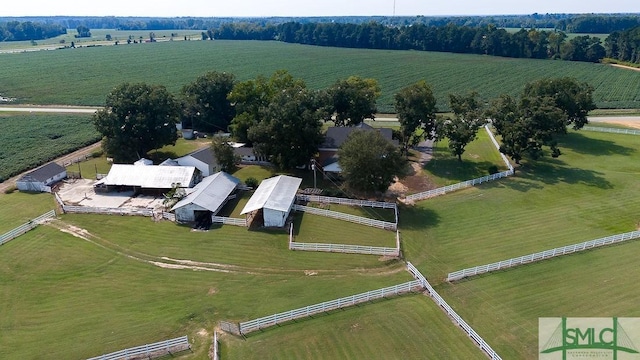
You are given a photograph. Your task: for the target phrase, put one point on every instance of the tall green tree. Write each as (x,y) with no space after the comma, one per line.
(225,154)
(136,119)
(207,108)
(369,162)
(468,118)
(352,100)
(416,109)
(290,130)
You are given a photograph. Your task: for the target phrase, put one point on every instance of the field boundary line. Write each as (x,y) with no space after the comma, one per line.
(452,314)
(542,255)
(279,318)
(469,183)
(24,228)
(611,130)
(149,351)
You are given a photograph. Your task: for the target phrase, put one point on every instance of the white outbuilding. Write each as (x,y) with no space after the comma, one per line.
(40,179)
(207,198)
(275,197)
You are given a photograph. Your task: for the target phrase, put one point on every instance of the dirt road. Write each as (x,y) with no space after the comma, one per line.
(50,109)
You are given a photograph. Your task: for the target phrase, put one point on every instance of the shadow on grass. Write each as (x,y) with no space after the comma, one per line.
(589,146)
(417,218)
(452,169)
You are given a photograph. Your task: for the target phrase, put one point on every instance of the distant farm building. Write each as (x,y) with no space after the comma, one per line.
(274,199)
(203,160)
(206,198)
(41,179)
(149,178)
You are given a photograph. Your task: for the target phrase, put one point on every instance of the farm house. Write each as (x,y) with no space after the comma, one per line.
(207,198)
(274,197)
(147,178)
(203,160)
(41,178)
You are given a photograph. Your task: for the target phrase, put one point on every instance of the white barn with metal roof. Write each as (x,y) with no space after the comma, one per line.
(149,177)
(208,196)
(274,196)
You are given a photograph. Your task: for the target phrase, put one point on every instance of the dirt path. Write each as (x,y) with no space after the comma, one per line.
(626,67)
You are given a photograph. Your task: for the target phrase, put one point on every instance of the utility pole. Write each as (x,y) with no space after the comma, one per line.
(313,167)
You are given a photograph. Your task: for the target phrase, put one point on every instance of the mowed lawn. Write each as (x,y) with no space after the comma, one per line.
(504,306)
(591,191)
(18,208)
(65,297)
(406,327)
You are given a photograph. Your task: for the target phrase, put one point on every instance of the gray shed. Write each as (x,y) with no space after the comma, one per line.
(274,196)
(209,196)
(40,179)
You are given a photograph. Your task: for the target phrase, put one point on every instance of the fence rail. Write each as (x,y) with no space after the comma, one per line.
(559,251)
(469,183)
(345,201)
(111,211)
(216,350)
(347,217)
(275,319)
(149,351)
(347,249)
(76,160)
(229,221)
(452,314)
(169,216)
(611,130)
(22,229)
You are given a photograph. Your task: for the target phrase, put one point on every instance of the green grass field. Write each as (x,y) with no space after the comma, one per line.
(85,76)
(18,208)
(33,139)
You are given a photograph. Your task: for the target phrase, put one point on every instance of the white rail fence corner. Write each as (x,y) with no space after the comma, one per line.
(469,183)
(452,314)
(275,319)
(229,221)
(347,217)
(611,130)
(344,248)
(149,351)
(526,259)
(24,228)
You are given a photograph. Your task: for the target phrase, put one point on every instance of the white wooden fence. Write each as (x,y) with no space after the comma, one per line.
(452,314)
(12,234)
(72,209)
(76,160)
(347,249)
(569,249)
(228,221)
(216,350)
(275,319)
(149,351)
(611,130)
(347,217)
(169,216)
(345,201)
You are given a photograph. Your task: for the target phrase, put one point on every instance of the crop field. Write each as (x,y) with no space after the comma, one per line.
(30,140)
(85,76)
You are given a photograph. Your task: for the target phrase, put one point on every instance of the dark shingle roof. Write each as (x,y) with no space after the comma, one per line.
(205,155)
(336,136)
(45,172)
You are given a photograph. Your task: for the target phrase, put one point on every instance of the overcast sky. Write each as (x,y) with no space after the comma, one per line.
(236,8)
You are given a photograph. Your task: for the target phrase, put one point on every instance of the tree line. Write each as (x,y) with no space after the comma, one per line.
(283,120)
(21,31)
(624,45)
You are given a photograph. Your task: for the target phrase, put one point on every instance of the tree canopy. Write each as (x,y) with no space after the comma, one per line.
(416,109)
(206,107)
(136,119)
(369,162)
(468,118)
(352,100)
(225,154)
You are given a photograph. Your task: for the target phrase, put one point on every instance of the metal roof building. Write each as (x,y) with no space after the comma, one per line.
(208,196)
(40,178)
(149,177)
(274,196)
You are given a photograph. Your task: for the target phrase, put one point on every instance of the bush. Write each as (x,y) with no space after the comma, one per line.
(10,189)
(97,154)
(251,182)
(493,169)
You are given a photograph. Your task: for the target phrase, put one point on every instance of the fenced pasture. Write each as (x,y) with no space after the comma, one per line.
(505,306)
(20,230)
(29,140)
(98,70)
(586,193)
(106,296)
(18,208)
(612,130)
(406,327)
(149,351)
(346,217)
